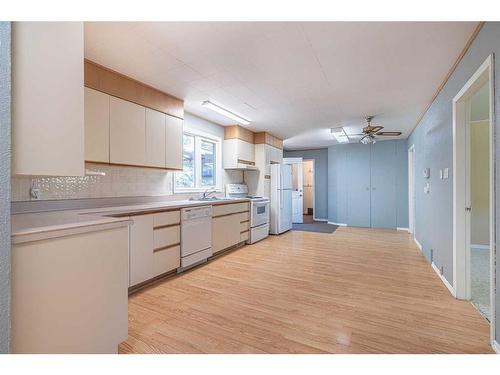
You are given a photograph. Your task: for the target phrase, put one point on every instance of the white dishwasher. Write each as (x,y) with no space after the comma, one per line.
(196,236)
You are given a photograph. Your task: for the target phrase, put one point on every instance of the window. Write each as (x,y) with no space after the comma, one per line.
(201,163)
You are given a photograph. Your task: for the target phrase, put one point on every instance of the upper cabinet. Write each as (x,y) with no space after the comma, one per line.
(47,99)
(155,138)
(173,142)
(96,126)
(129,123)
(127,133)
(239,149)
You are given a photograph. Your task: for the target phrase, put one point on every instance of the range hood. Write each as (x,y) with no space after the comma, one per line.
(242,167)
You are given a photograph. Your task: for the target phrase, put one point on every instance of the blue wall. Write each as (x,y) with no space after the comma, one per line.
(349,163)
(434,149)
(320,157)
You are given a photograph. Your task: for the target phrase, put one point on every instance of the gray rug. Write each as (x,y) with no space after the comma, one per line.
(310,225)
(480,280)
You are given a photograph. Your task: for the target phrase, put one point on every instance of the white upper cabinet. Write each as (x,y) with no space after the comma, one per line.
(155,138)
(127,133)
(47,99)
(173,142)
(96,126)
(237,152)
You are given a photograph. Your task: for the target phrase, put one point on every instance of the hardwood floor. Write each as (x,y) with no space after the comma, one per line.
(353,291)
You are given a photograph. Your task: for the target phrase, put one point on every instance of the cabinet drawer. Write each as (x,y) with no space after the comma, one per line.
(166,236)
(244,226)
(245,216)
(244,236)
(166,260)
(226,209)
(166,218)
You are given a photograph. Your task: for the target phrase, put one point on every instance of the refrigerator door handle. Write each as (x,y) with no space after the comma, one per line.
(280,199)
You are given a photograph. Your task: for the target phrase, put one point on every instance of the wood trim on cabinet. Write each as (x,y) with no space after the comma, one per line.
(103,79)
(266,138)
(167,226)
(245,221)
(232,213)
(452,69)
(243,231)
(238,132)
(133,165)
(166,247)
(247,162)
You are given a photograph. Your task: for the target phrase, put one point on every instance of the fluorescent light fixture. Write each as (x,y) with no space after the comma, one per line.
(224,112)
(340,135)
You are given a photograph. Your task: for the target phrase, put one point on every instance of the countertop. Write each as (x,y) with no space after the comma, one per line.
(37,226)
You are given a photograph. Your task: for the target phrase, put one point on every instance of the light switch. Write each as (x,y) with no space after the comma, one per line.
(445,173)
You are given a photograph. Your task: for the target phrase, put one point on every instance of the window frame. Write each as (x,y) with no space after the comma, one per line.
(199,136)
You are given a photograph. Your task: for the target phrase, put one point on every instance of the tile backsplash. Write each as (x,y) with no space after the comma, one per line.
(118,182)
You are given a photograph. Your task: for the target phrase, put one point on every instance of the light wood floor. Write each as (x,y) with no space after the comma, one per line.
(353,291)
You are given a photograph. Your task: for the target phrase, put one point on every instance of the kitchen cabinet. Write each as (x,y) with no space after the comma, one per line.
(174,132)
(155,138)
(127,133)
(96,126)
(154,245)
(47,99)
(238,152)
(229,223)
(70,293)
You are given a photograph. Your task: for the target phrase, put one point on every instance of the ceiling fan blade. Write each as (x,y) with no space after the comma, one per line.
(389,134)
(356,135)
(372,129)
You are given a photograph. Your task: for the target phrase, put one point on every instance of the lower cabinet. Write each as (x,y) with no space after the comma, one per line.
(154,245)
(229,225)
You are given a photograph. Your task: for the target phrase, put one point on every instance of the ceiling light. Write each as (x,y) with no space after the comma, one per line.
(224,112)
(366,140)
(340,135)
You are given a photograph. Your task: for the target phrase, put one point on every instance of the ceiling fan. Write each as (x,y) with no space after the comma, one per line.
(370,131)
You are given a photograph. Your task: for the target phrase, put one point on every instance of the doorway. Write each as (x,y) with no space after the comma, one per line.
(297,188)
(308,189)
(473,192)
(411,190)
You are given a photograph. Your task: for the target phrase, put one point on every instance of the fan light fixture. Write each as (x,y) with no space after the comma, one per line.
(366,140)
(340,135)
(214,107)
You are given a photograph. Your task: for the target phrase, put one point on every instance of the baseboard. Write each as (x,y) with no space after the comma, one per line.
(417,243)
(481,247)
(338,224)
(315,219)
(403,229)
(443,279)
(496,346)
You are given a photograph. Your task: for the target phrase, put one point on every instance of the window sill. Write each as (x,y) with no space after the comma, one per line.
(194,191)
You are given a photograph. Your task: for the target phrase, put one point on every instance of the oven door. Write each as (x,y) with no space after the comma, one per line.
(260,214)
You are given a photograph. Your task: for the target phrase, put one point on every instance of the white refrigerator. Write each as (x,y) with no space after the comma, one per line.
(281,198)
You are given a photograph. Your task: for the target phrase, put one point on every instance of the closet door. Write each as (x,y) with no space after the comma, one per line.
(358,185)
(383,185)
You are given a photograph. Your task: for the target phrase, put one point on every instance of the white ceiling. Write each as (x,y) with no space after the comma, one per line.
(293,79)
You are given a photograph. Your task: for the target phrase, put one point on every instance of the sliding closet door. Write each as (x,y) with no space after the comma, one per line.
(383,185)
(358,185)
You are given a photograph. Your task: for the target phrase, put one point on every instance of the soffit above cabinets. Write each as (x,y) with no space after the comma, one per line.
(295,80)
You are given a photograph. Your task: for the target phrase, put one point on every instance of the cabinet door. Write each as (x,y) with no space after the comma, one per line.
(173,142)
(225,232)
(358,185)
(141,249)
(96,126)
(127,132)
(246,151)
(47,99)
(155,138)
(383,185)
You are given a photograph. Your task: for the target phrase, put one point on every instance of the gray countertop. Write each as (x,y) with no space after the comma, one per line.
(29,227)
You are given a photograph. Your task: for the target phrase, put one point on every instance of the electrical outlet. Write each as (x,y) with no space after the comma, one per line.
(35,193)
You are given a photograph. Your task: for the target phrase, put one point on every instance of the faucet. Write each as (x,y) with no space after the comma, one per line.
(207,193)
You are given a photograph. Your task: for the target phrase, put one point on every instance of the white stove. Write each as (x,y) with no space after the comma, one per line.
(259,211)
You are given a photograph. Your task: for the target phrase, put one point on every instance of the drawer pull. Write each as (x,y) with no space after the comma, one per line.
(166,247)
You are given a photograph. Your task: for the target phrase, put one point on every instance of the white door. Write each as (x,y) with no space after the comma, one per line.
(285,222)
(296,184)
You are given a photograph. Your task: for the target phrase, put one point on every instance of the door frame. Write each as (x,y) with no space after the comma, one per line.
(411,191)
(461,252)
(313,192)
